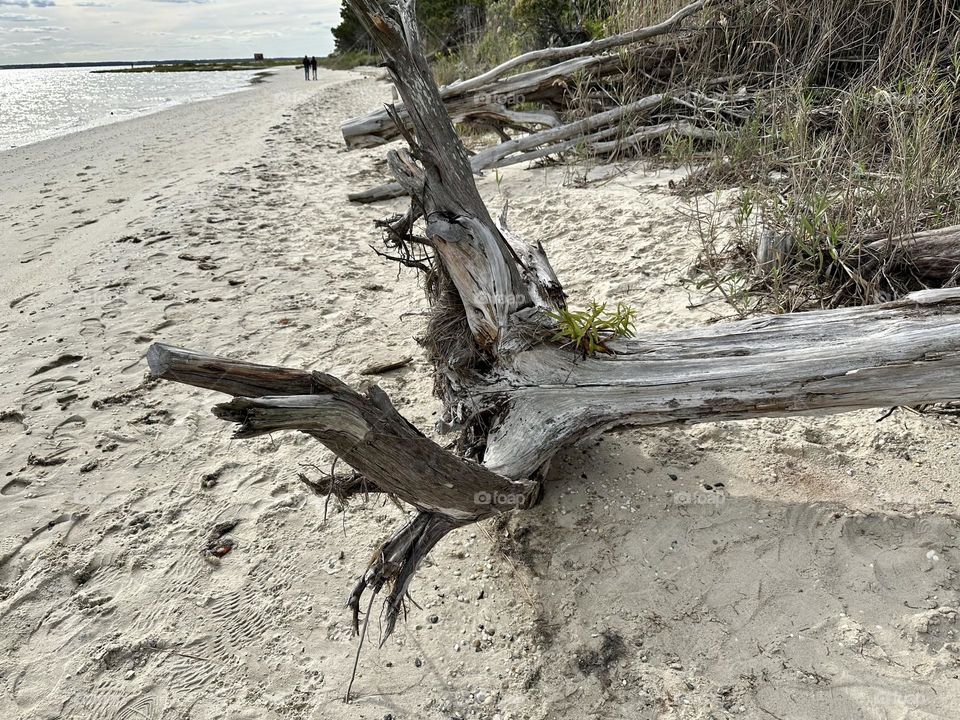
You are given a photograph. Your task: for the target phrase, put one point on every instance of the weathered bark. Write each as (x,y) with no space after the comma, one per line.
(933,254)
(365,431)
(905,353)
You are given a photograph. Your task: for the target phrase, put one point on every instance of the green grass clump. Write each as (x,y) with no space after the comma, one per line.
(589,331)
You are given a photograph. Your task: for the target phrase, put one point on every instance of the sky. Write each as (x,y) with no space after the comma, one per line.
(37,31)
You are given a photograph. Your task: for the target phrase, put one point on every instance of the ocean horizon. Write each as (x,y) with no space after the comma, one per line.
(43,103)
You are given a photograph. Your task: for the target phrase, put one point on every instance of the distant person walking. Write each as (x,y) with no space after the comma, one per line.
(313,66)
(306,68)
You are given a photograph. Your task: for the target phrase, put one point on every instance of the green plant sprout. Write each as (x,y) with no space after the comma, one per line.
(590,330)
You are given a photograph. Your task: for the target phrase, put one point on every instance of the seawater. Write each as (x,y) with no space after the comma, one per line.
(44,103)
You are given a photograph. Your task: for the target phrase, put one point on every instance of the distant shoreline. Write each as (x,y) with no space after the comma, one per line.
(132,64)
(204,66)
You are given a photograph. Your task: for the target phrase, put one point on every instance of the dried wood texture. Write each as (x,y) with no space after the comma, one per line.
(365,431)
(934,253)
(900,353)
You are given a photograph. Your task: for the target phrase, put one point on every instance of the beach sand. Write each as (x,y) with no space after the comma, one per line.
(790,568)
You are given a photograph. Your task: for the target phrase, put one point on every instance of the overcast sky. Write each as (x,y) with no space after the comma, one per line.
(91,30)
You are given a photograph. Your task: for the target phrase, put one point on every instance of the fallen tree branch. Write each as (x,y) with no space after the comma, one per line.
(365,431)
(545,86)
(905,352)
(588,132)
(464,98)
(591,47)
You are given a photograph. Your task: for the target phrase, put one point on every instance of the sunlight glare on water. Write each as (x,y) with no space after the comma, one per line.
(40,104)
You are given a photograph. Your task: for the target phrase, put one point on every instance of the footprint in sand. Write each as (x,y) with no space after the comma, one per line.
(9,418)
(36,394)
(113,701)
(65,359)
(112,308)
(14,486)
(157,236)
(144,707)
(177,312)
(17,301)
(91,327)
(29,257)
(72,422)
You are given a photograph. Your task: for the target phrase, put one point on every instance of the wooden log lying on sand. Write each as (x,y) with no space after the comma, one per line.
(595,131)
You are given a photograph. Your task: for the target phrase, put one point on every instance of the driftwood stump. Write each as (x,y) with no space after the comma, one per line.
(512,395)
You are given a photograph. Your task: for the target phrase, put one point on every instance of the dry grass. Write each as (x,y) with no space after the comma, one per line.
(836,124)
(853,138)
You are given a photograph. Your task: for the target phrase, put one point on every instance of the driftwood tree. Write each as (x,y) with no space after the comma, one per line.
(514,396)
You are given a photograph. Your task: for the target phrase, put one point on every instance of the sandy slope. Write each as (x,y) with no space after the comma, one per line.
(788,568)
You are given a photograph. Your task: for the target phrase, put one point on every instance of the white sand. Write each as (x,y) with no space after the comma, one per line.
(819,581)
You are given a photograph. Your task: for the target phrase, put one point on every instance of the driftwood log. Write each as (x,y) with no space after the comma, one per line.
(569,80)
(512,395)
(933,255)
(601,133)
(487,97)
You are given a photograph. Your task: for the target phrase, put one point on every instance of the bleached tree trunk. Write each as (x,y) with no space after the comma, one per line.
(514,396)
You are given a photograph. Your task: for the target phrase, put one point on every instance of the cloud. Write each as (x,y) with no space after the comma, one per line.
(121,30)
(29,3)
(33,29)
(31,43)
